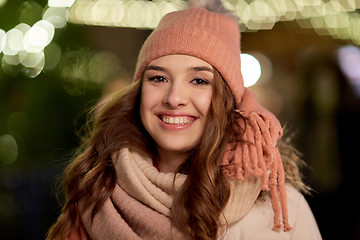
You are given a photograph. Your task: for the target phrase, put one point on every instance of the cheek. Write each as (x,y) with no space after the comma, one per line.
(203,102)
(149,99)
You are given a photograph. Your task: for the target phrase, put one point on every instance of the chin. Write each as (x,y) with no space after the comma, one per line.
(181,148)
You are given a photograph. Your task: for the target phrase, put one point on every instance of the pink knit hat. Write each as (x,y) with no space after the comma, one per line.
(197,32)
(215,38)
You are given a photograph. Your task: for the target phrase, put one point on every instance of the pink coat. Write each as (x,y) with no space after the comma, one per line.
(257,224)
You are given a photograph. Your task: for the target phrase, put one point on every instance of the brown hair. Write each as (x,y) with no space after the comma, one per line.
(91,175)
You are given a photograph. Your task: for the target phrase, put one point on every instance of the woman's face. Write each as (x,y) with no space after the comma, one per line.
(175,99)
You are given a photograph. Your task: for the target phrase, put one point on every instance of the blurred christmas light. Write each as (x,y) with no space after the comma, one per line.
(2,2)
(349,61)
(39,36)
(14,42)
(31,60)
(30,12)
(8,149)
(61,3)
(23,46)
(129,13)
(266,68)
(83,69)
(32,72)
(53,55)
(57,16)
(325,17)
(11,59)
(250,69)
(2,40)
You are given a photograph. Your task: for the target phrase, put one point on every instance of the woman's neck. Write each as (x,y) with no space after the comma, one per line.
(169,161)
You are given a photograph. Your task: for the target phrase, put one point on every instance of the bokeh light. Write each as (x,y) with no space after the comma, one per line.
(335,18)
(53,55)
(23,46)
(61,3)
(136,14)
(2,2)
(266,68)
(57,16)
(85,69)
(39,36)
(31,60)
(2,40)
(250,69)
(349,61)
(30,12)
(11,59)
(8,149)
(14,42)
(10,64)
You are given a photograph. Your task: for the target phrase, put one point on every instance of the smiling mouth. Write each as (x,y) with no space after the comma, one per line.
(176,120)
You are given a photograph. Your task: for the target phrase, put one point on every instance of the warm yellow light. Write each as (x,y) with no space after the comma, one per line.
(14,42)
(348,5)
(291,10)
(331,21)
(151,15)
(2,40)
(98,12)
(8,149)
(11,59)
(312,2)
(250,69)
(240,8)
(57,16)
(61,3)
(317,22)
(117,13)
(31,60)
(253,15)
(336,6)
(2,2)
(39,36)
(135,14)
(167,7)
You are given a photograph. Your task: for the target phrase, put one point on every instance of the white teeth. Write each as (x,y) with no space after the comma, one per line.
(176,120)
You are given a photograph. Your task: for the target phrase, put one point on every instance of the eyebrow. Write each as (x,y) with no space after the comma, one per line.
(201,68)
(196,69)
(156,68)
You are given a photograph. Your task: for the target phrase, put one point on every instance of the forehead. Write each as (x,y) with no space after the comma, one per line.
(180,61)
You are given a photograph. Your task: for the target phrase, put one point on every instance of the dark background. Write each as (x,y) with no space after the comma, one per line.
(307,91)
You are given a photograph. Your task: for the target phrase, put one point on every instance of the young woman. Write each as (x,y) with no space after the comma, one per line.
(185,152)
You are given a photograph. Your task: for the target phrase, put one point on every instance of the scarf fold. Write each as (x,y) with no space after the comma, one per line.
(140,206)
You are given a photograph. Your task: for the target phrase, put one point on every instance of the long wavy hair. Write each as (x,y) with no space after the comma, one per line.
(197,206)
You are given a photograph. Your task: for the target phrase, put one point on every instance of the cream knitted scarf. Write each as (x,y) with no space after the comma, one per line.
(140,206)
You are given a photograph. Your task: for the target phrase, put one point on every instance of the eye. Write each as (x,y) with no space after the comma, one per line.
(200,81)
(157,79)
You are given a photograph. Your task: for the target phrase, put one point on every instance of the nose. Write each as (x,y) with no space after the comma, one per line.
(176,95)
